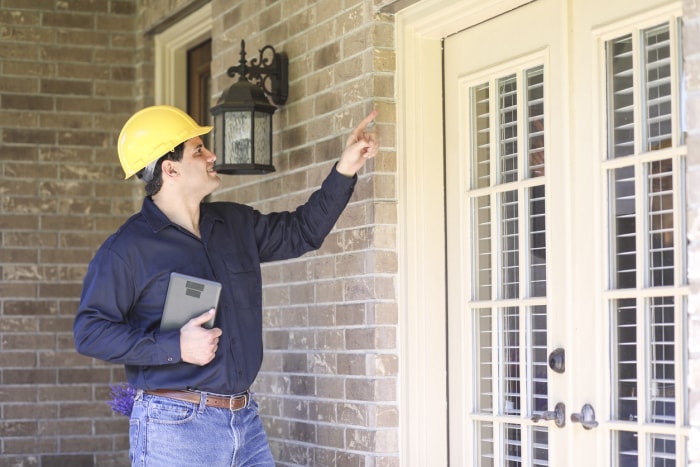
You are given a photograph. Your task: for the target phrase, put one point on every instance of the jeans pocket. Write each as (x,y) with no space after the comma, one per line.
(170,411)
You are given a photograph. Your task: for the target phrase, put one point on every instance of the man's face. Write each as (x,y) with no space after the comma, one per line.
(197,167)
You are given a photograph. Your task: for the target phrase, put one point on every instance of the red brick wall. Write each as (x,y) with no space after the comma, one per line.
(68,81)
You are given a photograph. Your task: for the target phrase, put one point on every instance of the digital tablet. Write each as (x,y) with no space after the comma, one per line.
(188,297)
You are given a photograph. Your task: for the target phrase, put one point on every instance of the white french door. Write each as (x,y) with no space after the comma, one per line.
(565,237)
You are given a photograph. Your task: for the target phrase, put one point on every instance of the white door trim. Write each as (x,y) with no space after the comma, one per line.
(421,190)
(171,56)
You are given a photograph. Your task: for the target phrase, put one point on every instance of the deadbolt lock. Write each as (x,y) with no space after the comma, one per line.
(556,360)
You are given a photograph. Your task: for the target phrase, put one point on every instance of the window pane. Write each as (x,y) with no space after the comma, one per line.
(627,448)
(484,364)
(510,274)
(620,97)
(511,361)
(663,451)
(512,445)
(538,243)
(540,446)
(625,342)
(484,443)
(481,137)
(657,74)
(623,215)
(482,246)
(508,128)
(662,393)
(535,121)
(539,358)
(660,206)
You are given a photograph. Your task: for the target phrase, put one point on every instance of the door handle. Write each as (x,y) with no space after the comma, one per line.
(586,418)
(558,415)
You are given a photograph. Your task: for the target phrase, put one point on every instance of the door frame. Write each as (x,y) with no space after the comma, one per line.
(421,189)
(171,45)
(420,29)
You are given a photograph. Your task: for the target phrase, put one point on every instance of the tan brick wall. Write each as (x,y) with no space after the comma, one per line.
(68,80)
(691,51)
(329,383)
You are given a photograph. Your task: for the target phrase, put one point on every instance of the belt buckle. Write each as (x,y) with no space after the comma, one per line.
(235,398)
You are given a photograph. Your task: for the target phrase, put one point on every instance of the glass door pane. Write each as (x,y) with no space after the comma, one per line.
(647,300)
(508,307)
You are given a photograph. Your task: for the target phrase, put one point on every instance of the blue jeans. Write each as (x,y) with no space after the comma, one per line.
(168,432)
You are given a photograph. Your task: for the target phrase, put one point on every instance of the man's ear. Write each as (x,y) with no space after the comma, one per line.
(168,168)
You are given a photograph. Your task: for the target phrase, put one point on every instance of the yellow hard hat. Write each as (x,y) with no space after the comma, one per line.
(152,132)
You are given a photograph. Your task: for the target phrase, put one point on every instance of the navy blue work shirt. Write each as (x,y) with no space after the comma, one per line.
(121,304)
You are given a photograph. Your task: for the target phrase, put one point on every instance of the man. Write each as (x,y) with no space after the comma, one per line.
(192,404)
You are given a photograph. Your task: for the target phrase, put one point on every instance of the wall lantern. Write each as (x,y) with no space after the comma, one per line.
(243,115)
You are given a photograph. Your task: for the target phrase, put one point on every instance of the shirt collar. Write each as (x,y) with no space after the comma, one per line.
(158,221)
(154,216)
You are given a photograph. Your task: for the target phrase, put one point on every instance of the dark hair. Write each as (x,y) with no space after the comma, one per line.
(154,185)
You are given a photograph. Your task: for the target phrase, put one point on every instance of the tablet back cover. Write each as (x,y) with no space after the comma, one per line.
(188,297)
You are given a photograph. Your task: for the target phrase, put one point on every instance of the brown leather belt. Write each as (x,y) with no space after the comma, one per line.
(221,402)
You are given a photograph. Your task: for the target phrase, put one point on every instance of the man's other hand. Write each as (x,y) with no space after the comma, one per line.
(198,344)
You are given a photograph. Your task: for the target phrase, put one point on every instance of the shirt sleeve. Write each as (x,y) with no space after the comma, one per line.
(286,235)
(101,328)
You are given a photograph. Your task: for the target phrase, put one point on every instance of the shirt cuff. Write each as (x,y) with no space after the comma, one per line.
(169,345)
(346,177)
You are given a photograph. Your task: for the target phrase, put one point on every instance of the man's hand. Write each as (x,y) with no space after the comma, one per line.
(197,344)
(361,146)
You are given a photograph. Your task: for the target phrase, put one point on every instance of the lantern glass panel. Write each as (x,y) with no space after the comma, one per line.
(263,132)
(217,145)
(237,145)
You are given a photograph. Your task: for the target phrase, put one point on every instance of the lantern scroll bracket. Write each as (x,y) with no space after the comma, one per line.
(269,71)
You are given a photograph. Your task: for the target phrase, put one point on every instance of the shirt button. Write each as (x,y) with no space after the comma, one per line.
(170,359)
